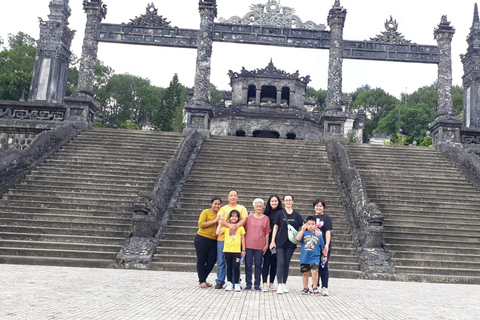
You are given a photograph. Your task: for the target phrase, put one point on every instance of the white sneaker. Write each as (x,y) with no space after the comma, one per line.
(324,291)
(280,288)
(229,286)
(284,288)
(237,287)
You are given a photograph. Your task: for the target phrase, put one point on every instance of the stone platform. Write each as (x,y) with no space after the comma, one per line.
(43,292)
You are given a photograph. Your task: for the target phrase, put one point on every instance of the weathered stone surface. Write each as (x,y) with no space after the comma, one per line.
(152,209)
(468,163)
(15,163)
(272,14)
(49,79)
(96,11)
(365,218)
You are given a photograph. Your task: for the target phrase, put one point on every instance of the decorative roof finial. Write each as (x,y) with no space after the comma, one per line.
(475,14)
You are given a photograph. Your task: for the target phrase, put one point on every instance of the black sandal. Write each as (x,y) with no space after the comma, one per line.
(305,291)
(316,292)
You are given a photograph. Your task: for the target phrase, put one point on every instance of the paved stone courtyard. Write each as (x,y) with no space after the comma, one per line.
(39,292)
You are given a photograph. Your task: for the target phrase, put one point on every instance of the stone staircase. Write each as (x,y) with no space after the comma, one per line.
(75,209)
(256,168)
(432,212)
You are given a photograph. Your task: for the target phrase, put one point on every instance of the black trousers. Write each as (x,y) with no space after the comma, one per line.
(232,259)
(206,250)
(269,266)
(284,255)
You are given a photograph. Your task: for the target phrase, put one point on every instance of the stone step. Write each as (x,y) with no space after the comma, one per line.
(45,245)
(91,177)
(88,164)
(67,205)
(436,256)
(396,239)
(82,189)
(140,155)
(434,222)
(437,271)
(20,208)
(65,231)
(17,194)
(399,249)
(437,278)
(430,205)
(73,200)
(430,234)
(32,252)
(78,225)
(99,174)
(67,238)
(88,182)
(405,188)
(59,261)
(70,216)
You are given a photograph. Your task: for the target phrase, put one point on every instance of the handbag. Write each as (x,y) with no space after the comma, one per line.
(292,233)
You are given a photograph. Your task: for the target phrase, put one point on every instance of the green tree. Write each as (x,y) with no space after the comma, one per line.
(319,95)
(16,66)
(376,103)
(216,95)
(167,116)
(121,99)
(414,121)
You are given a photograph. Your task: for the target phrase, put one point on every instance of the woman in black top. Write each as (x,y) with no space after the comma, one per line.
(273,205)
(285,247)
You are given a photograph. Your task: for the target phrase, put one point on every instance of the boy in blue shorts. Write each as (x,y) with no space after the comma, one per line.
(310,255)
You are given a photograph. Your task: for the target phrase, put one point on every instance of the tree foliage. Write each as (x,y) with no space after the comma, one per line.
(319,95)
(169,115)
(376,103)
(16,66)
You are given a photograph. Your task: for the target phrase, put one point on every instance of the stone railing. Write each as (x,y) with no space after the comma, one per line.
(467,162)
(364,217)
(15,163)
(152,210)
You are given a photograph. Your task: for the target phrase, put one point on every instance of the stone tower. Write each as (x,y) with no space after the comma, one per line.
(471,76)
(50,73)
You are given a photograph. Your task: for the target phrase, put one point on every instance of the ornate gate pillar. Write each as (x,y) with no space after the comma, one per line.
(445,128)
(50,73)
(199,110)
(96,11)
(336,22)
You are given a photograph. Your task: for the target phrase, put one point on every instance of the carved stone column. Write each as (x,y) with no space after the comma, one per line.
(50,72)
(471,75)
(96,11)
(199,110)
(446,128)
(336,22)
(279,97)
(257,96)
(201,91)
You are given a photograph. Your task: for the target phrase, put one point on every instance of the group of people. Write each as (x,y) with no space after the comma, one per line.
(228,235)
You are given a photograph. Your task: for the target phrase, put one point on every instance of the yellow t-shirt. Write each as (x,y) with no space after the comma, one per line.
(225,211)
(209,232)
(233,243)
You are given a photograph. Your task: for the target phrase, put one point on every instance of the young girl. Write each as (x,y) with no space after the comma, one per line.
(233,248)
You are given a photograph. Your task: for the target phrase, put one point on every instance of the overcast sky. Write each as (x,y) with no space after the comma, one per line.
(416,20)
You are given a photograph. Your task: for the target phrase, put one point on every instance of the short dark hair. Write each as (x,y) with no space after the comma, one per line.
(311,218)
(215,198)
(232,190)
(234,212)
(288,195)
(317,201)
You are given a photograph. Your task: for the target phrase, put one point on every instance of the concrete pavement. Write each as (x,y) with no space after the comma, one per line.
(42,292)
